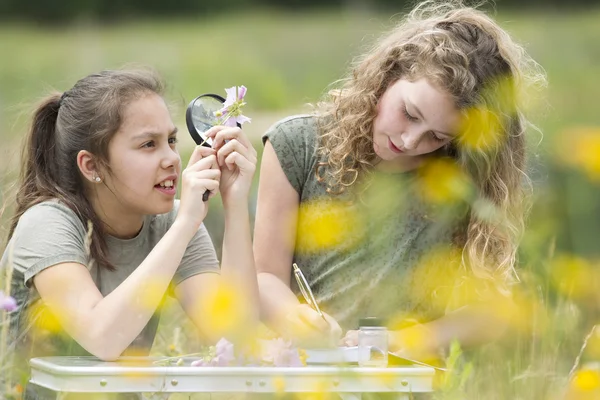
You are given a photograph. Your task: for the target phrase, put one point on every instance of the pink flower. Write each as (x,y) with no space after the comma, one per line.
(231,113)
(281,353)
(7,303)
(224,351)
(222,356)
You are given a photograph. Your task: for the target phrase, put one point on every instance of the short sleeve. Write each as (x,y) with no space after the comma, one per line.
(47,234)
(199,257)
(293,140)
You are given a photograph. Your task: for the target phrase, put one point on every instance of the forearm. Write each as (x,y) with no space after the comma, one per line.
(116,320)
(276,299)
(471,326)
(237,266)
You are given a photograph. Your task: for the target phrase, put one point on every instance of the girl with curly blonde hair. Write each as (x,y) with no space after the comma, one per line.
(405,194)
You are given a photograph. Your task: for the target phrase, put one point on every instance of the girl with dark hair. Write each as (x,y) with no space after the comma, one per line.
(98,238)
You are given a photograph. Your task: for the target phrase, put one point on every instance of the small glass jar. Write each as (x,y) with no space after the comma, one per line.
(372,343)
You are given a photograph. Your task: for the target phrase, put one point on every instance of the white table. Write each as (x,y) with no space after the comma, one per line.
(139,374)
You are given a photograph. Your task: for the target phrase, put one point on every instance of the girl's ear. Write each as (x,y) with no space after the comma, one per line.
(88,166)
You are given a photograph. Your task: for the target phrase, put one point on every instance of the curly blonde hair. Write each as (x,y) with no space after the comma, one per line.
(465,53)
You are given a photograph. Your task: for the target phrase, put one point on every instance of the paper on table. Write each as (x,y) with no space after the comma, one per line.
(349,355)
(332,355)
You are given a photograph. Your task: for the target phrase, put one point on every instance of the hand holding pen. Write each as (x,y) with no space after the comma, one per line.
(311,325)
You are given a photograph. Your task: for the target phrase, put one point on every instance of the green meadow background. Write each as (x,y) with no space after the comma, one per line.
(287,60)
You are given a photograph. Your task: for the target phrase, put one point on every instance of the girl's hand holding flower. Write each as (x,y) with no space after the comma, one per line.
(235,154)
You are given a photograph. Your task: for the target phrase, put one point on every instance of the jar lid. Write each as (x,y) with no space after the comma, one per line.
(371,321)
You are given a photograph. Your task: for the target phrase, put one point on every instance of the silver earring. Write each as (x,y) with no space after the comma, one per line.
(97,179)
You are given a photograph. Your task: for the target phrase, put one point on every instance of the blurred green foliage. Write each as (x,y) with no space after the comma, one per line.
(54,11)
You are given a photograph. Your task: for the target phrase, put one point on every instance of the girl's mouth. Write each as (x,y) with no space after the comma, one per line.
(167,187)
(393,147)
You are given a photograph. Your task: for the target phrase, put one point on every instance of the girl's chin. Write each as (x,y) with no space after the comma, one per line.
(162,207)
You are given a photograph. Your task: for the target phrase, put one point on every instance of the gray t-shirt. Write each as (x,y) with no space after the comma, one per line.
(50,233)
(372,254)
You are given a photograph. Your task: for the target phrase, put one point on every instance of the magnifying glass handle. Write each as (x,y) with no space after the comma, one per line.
(205,195)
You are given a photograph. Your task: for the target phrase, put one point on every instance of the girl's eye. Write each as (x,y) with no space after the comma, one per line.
(408,116)
(173,140)
(436,138)
(148,144)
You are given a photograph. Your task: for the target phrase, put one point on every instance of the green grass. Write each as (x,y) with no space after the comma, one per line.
(284,59)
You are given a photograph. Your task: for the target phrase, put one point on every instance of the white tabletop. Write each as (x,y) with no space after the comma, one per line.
(141,374)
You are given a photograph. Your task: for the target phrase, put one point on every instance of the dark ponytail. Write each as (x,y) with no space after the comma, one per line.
(37,173)
(84,118)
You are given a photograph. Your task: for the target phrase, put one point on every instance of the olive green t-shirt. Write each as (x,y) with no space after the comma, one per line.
(374,252)
(50,233)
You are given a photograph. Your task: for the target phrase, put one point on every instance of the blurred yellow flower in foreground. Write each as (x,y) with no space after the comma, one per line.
(586,380)
(326,224)
(481,126)
(438,273)
(279,386)
(149,292)
(574,276)
(441,180)
(44,320)
(480,129)
(580,148)
(320,391)
(225,310)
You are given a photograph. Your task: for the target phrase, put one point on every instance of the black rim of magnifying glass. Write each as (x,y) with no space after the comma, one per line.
(194,132)
(190,122)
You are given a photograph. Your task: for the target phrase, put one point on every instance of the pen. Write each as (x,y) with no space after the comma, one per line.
(306,291)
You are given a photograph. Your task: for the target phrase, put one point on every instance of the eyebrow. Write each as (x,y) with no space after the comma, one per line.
(414,106)
(153,135)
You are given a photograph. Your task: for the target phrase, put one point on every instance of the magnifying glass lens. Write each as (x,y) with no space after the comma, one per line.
(200,116)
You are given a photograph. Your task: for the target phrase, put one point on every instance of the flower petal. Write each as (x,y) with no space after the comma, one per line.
(224,350)
(7,303)
(241,92)
(230,122)
(241,119)
(231,97)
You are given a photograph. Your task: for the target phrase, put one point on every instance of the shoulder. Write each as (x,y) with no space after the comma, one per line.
(49,214)
(301,128)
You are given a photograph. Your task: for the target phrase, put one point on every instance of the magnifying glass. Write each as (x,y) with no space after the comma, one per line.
(200,117)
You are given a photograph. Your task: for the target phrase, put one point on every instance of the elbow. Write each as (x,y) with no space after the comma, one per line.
(107,356)
(104,352)
(103,346)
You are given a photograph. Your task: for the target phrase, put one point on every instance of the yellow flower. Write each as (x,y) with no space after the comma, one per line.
(573,276)
(586,380)
(480,129)
(326,224)
(44,320)
(482,126)
(303,356)
(279,386)
(580,148)
(224,310)
(148,293)
(442,181)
